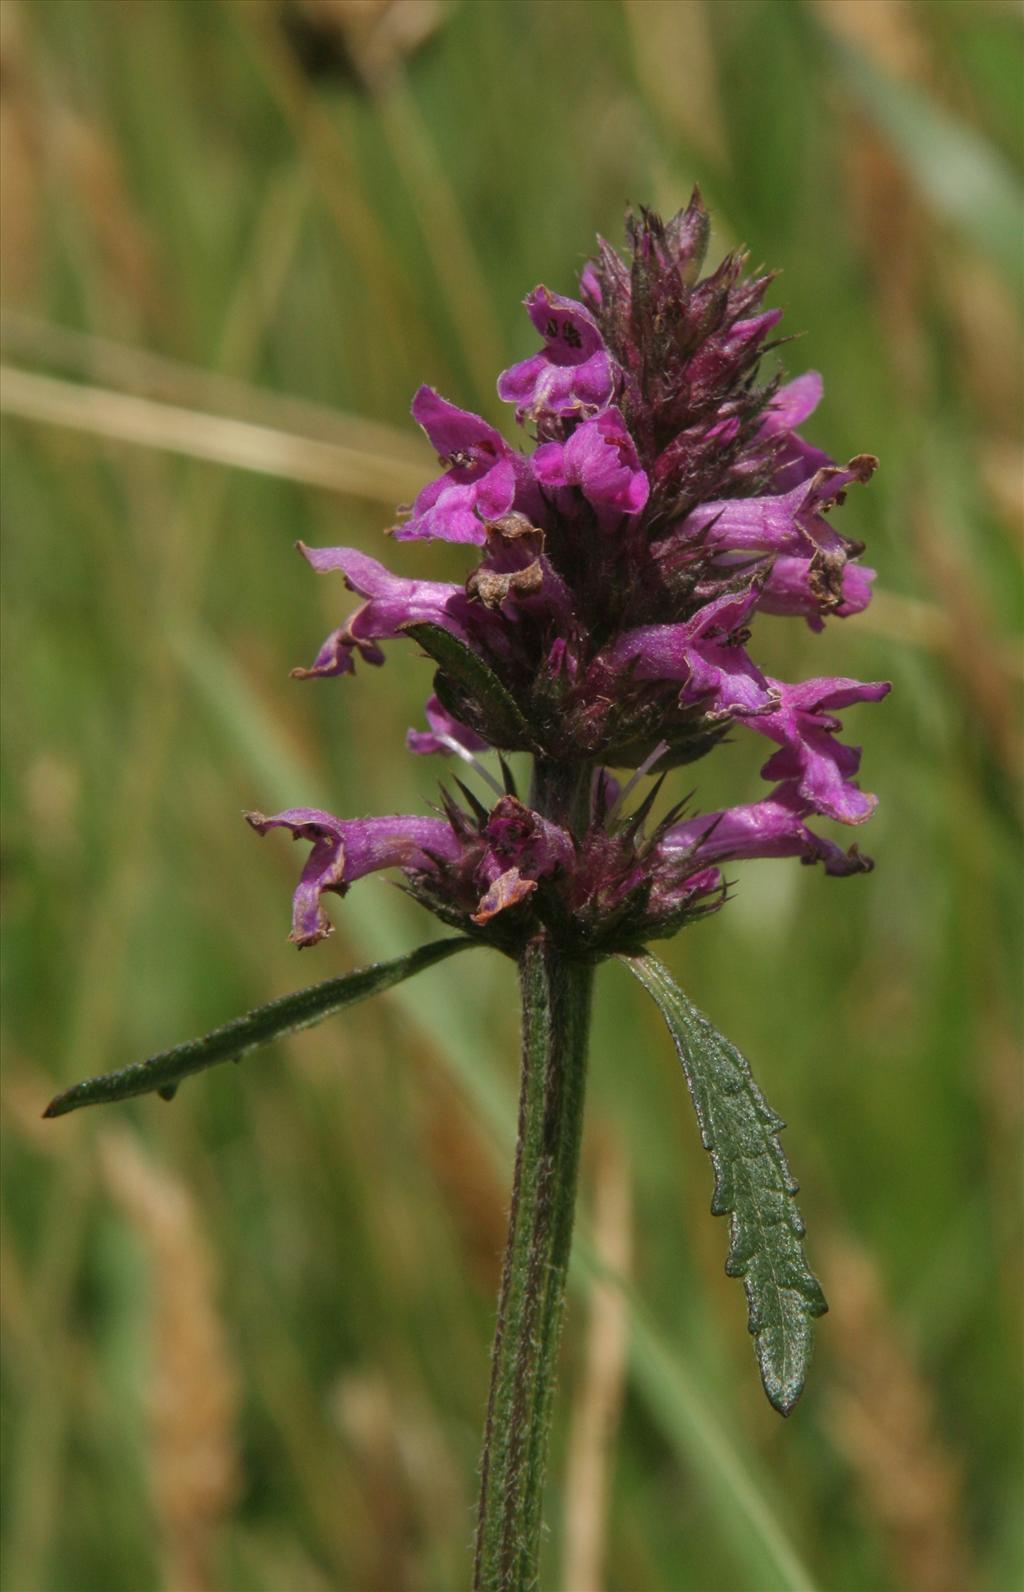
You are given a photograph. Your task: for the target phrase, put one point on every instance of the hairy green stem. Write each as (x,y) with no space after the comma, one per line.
(561,792)
(556,1011)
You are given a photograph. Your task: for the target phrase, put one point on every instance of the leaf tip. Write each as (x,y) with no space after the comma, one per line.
(782,1391)
(785,1403)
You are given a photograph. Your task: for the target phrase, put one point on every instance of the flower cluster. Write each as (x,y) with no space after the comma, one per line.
(668,498)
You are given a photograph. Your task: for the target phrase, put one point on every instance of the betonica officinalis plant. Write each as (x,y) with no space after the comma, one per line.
(665,501)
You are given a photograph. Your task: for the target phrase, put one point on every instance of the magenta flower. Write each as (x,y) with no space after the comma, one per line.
(782,522)
(601,460)
(484,478)
(807,587)
(393,602)
(346,849)
(795,460)
(705,655)
(821,767)
(773,827)
(573,375)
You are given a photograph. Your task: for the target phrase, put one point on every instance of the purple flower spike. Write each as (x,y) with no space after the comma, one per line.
(605,619)
(601,459)
(483,478)
(573,375)
(769,828)
(393,602)
(821,767)
(346,849)
(445,734)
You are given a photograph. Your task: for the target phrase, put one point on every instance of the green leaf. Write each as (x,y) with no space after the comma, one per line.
(753,1185)
(286,1015)
(505,723)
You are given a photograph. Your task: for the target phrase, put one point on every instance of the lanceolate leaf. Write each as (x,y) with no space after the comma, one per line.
(506,726)
(753,1185)
(286,1015)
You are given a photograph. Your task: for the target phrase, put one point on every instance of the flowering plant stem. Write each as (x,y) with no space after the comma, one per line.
(556,999)
(668,497)
(556,1011)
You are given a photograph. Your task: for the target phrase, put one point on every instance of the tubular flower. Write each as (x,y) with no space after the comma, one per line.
(346,849)
(483,478)
(573,375)
(665,500)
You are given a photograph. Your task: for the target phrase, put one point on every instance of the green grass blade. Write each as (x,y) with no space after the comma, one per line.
(286,1015)
(673,1394)
(753,1185)
(963,176)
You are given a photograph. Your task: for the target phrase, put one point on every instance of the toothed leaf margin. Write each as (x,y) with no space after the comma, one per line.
(753,1186)
(164,1072)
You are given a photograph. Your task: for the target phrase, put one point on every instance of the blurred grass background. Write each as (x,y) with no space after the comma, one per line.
(247,1335)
